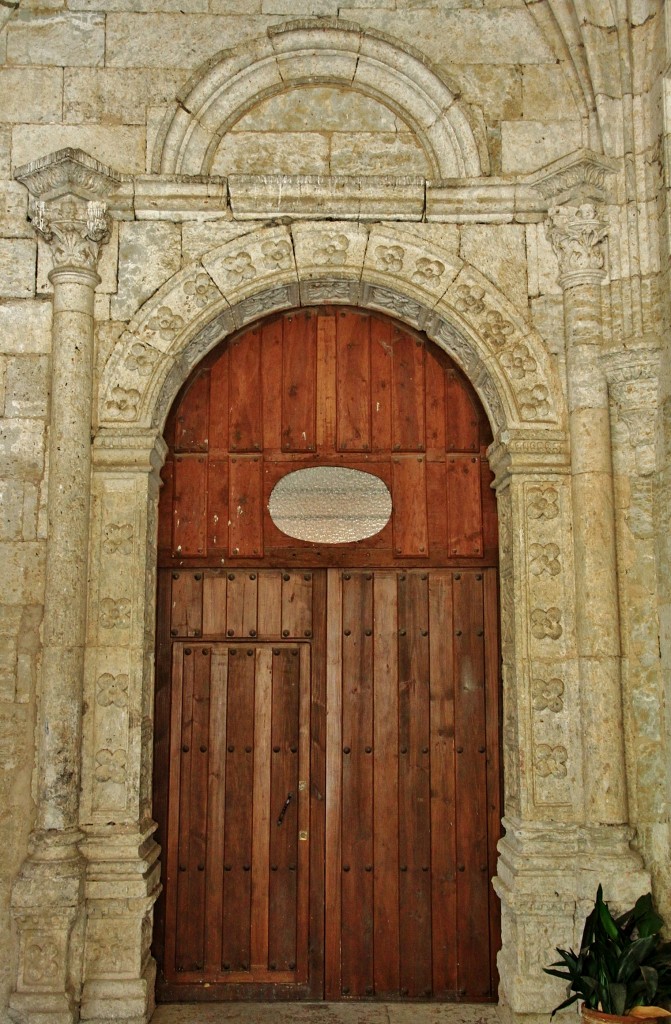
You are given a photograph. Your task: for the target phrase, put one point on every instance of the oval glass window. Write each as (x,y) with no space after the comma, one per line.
(330,504)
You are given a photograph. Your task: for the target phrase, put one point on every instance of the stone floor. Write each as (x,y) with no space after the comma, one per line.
(325,1013)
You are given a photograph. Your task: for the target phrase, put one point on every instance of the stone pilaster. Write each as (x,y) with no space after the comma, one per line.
(122,869)
(577,232)
(68,210)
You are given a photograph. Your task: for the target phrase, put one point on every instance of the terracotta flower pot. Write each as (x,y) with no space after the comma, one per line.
(599,1017)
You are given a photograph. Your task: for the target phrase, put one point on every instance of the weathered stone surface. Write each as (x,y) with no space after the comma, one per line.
(22,448)
(168,40)
(35,95)
(27,383)
(63,39)
(112,96)
(148,254)
(25,327)
(528,145)
(122,147)
(17,267)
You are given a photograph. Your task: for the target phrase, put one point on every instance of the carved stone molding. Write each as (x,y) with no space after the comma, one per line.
(74,231)
(68,206)
(576,178)
(577,235)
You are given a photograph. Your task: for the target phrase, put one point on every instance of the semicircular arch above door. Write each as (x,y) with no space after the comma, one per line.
(327,387)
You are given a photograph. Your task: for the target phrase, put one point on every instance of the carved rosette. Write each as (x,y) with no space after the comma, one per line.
(578,235)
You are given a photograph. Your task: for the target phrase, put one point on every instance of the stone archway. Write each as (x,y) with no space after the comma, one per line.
(304,52)
(396,271)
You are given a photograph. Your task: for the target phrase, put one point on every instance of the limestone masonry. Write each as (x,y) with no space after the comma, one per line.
(493,173)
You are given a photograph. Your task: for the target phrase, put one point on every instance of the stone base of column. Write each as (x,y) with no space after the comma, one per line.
(122,884)
(548,874)
(48,907)
(128,1000)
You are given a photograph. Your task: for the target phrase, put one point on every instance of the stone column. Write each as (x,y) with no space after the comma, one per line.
(577,233)
(68,211)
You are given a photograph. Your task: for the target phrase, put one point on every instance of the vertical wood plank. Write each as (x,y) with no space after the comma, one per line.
(189,530)
(263,695)
(357,785)
(299,382)
(214,605)
(470,739)
(245,507)
(414,785)
(303,785)
(443,794)
(194,925)
(270,604)
(241,603)
(245,425)
(410,521)
(462,425)
(174,803)
(192,419)
(353,382)
(284,809)
(218,429)
(297,604)
(161,774)
(271,363)
(236,922)
(317,787)
(326,382)
(185,955)
(216,807)
(381,384)
(332,984)
(464,506)
(217,505)
(434,376)
(385,785)
(186,615)
(408,415)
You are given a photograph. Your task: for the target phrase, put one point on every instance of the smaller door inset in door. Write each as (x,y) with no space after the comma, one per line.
(237,859)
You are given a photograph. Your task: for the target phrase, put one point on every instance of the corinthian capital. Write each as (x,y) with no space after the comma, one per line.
(68,206)
(74,231)
(577,235)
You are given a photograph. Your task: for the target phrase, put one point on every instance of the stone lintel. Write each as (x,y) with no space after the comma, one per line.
(576,178)
(314,196)
(68,172)
(482,200)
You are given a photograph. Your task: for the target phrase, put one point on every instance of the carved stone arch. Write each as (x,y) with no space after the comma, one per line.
(396,270)
(309,52)
(390,269)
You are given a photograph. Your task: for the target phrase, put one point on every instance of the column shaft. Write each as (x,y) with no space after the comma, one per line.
(597,616)
(59,736)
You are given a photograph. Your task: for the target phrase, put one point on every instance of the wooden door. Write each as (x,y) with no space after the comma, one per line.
(327,781)
(412,793)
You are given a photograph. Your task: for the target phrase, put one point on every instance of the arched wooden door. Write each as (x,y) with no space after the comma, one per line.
(327,770)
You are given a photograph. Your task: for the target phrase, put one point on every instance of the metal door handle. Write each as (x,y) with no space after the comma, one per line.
(288,800)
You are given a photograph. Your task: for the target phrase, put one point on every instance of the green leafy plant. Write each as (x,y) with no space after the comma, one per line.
(623,962)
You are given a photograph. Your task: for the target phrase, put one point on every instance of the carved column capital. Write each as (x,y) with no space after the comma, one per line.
(74,230)
(68,207)
(578,235)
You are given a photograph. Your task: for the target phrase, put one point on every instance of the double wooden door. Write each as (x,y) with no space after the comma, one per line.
(333,784)
(326,770)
